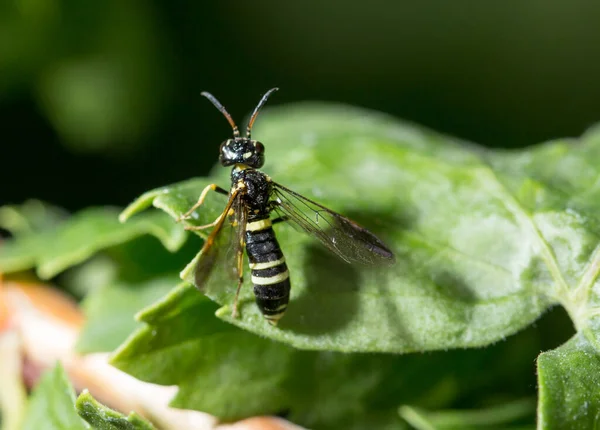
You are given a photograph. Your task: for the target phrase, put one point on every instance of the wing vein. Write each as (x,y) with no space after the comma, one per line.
(342,236)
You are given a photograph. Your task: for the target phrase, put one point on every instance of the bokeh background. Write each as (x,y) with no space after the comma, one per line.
(99,101)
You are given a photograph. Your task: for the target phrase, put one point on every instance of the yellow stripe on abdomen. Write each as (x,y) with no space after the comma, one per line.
(267,264)
(259,225)
(271,279)
(273,319)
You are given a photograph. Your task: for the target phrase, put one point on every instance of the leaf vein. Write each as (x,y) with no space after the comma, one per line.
(527,221)
(443,247)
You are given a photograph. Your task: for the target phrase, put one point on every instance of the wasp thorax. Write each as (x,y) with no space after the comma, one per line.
(242,150)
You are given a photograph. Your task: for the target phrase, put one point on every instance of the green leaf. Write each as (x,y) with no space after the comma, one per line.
(568,380)
(110,312)
(142,272)
(485,241)
(103,418)
(492,417)
(234,374)
(13,394)
(192,348)
(33,216)
(51,406)
(77,239)
(175,202)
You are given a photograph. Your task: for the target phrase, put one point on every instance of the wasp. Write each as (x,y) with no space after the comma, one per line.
(256,203)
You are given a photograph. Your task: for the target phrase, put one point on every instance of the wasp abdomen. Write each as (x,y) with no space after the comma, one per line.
(270,274)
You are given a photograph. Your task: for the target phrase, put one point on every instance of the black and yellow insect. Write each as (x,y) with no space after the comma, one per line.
(253,199)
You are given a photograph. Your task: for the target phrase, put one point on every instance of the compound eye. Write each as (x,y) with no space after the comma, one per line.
(259,147)
(222,146)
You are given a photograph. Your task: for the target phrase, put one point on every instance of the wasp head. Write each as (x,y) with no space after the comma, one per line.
(241,150)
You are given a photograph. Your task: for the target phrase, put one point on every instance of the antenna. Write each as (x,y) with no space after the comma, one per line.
(214,101)
(257,110)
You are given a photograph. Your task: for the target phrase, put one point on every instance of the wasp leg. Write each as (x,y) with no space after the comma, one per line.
(280,219)
(212,224)
(240,270)
(213,187)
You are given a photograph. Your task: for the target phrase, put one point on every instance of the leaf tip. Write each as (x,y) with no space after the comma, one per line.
(130,211)
(85,393)
(83,403)
(124,216)
(224,312)
(139,204)
(187,273)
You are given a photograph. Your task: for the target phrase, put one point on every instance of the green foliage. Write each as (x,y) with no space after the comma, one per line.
(30,217)
(239,373)
(569,377)
(494,417)
(110,312)
(102,418)
(51,406)
(13,394)
(231,373)
(485,241)
(76,240)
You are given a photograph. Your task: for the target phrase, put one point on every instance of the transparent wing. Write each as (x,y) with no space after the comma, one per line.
(341,235)
(221,248)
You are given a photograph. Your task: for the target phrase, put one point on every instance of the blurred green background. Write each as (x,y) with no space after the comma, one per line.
(100,101)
